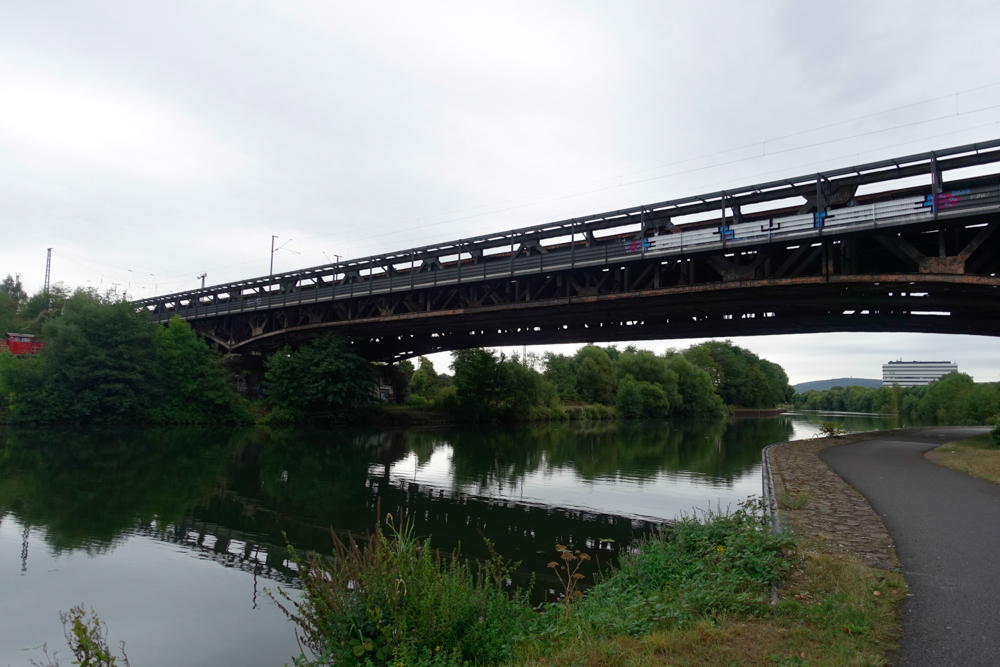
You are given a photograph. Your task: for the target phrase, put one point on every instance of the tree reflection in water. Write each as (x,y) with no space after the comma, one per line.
(231,495)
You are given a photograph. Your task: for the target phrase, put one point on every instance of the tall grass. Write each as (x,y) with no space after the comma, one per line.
(393,600)
(716,563)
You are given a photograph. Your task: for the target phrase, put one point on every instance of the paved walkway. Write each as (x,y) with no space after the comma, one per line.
(946,527)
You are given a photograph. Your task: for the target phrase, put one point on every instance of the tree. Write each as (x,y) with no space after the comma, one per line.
(98,366)
(698,398)
(324,380)
(645,366)
(482,382)
(12,298)
(12,288)
(193,385)
(595,377)
(407,367)
(628,399)
(560,370)
(740,376)
(527,389)
(425,382)
(956,399)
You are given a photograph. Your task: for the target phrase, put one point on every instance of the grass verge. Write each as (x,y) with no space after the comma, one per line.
(829,614)
(695,593)
(973,456)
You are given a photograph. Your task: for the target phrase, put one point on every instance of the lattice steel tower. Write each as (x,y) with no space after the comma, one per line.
(48,270)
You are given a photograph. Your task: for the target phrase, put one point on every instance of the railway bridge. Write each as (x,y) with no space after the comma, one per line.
(907,244)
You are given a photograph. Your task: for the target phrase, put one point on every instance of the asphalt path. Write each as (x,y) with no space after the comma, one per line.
(946,527)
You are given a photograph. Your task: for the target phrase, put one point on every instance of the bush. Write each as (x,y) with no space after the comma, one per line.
(831,429)
(655,403)
(629,398)
(87,639)
(636,400)
(325,379)
(994,439)
(193,388)
(447,399)
(397,601)
(482,382)
(722,562)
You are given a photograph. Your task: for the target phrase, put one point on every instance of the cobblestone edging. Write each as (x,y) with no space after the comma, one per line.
(825,510)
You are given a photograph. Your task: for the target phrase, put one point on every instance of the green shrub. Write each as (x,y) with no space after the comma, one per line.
(326,379)
(447,399)
(831,429)
(629,398)
(395,600)
(655,402)
(87,639)
(604,412)
(722,562)
(994,439)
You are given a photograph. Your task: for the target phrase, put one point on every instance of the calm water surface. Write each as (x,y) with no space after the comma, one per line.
(174,535)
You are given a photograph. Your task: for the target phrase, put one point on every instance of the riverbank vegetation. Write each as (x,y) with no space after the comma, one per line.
(28,314)
(105,362)
(325,380)
(978,456)
(697,592)
(602,383)
(953,400)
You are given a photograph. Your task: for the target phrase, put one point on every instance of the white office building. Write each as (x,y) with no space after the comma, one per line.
(915,373)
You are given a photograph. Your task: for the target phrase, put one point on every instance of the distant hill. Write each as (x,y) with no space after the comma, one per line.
(821,385)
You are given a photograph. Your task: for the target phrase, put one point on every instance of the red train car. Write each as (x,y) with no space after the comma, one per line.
(18,343)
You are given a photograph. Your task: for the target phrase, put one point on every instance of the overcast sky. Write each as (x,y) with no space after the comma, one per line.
(150,142)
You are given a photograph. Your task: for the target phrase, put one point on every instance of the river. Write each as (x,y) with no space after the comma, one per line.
(174,535)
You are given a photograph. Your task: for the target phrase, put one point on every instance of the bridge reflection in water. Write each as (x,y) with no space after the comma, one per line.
(230,497)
